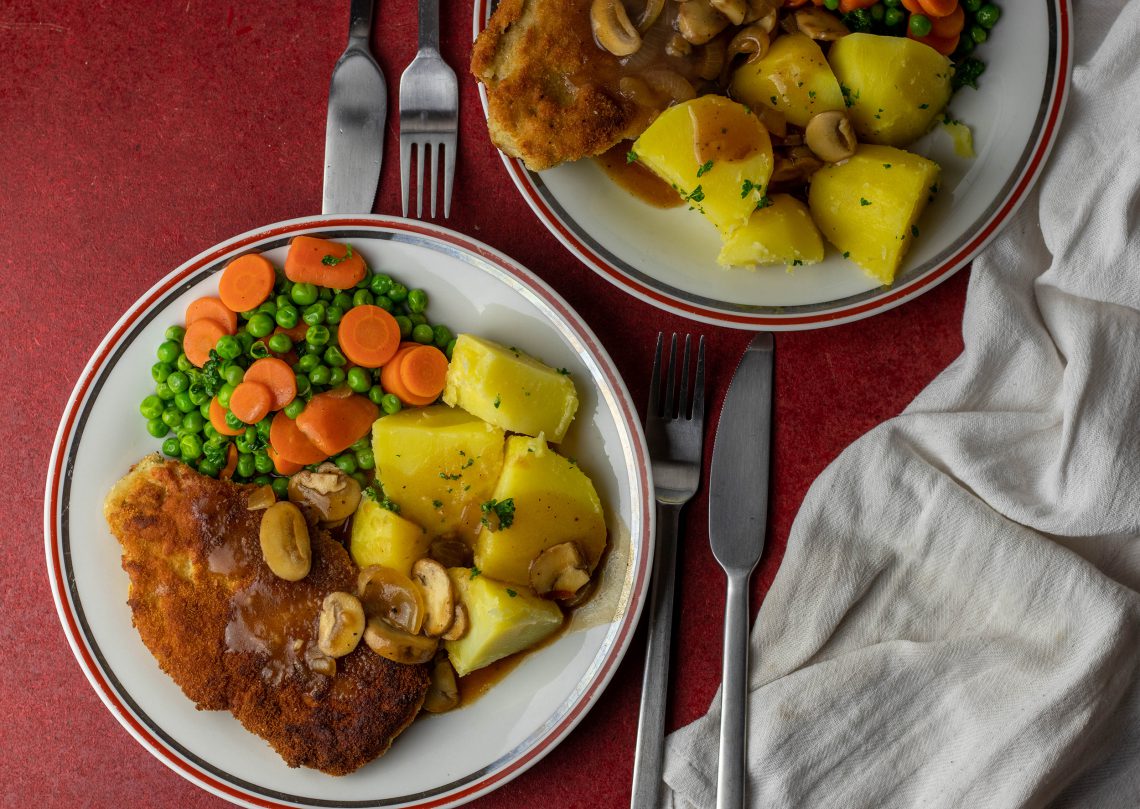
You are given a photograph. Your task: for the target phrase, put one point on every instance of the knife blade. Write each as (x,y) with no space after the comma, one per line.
(738,512)
(354,130)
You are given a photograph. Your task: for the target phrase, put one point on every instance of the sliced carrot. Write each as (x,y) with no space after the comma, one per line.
(938,8)
(949,26)
(847,6)
(291,444)
(333,423)
(282,466)
(944,45)
(424,371)
(392,381)
(212,308)
(296,333)
(218,419)
(246,282)
(201,336)
(231,463)
(318,261)
(251,401)
(276,375)
(368,335)
(913,7)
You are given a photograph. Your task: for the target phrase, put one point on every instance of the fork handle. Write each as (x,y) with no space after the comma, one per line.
(648,758)
(360,21)
(731,772)
(429,24)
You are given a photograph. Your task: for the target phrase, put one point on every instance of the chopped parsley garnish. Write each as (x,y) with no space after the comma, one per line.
(847,254)
(924,106)
(914,231)
(511,592)
(966,73)
(811,93)
(764,202)
(696,195)
(475,572)
(864,202)
(705,168)
(849,99)
(797,263)
(375,492)
(436,503)
(886,165)
(498,401)
(747,187)
(331,261)
(564,372)
(504,511)
(211,376)
(631,156)
(446,476)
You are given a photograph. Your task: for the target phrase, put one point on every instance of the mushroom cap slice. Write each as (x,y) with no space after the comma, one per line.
(699,22)
(389,594)
(459,623)
(613,28)
(560,570)
(333,494)
(284,538)
(397,645)
(439,598)
(443,693)
(341,624)
(830,136)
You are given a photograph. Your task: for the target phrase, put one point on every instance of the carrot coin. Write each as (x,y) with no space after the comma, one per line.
(251,401)
(200,338)
(246,282)
(212,308)
(368,335)
(276,375)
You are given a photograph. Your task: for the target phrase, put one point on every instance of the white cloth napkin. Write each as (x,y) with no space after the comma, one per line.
(956,621)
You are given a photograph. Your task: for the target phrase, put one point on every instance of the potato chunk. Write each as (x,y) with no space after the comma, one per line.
(507,388)
(896,86)
(438,464)
(549,500)
(867,207)
(383,537)
(715,152)
(793,78)
(781,233)
(502,619)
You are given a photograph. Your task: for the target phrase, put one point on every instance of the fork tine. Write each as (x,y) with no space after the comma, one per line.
(448,174)
(683,402)
(421,154)
(653,410)
(434,173)
(671,379)
(405,171)
(699,384)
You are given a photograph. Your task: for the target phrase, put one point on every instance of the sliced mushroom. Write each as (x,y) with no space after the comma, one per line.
(389,594)
(763,12)
(397,645)
(341,624)
(735,10)
(830,136)
(443,692)
(649,14)
(752,40)
(320,662)
(260,498)
(699,22)
(333,494)
(458,626)
(794,167)
(451,553)
(284,537)
(818,24)
(612,27)
(560,570)
(774,121)
(678,46)
(439,598)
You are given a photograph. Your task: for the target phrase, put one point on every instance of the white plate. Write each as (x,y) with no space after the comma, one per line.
(668,257)
(441,760)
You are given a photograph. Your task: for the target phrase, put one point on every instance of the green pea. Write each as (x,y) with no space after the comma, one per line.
(193,422)
(333,315)
(287,316)
(380,284)
(320,375)
(359,381)
(423,333)
(971,6)
(362,297)
(269,308)
(336,377)
(450,349)
(345,462)
(317,335)
(892,3)
(172,417)
(442,336)
(361,478)
(417,319)
(965,46)
(280,487)
(170,447)
(314,315)
(233,374)
(831,4)
(160,371)
(152,406)
(405,326)
(978,34)
(304,386)
(325,294)
(303,294)
(245,467)
(397,292)
(920,25)
(308,362)
(178,382)
(228,347)
(391,404)
(263,480)
(168,352)
(877,11)
(343,301)
(175,333)
(157,427)
(208,468)
(334,357)
(190,447)
(262,463)
(233,422)
(208,428)
(894,16)
(295,407)
(282,300)
(418,299)
(198,394)
(376,395)
(280,343)
(183,402)
(260,325)
(264,426)
(163,391)
(183,363)
(987,16)
(365,459)
(384,302)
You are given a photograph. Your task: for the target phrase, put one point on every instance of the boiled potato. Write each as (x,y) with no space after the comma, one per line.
(383,537)
(548,500)
(501,619)
(715,153)
(438,464)
(505,387)
(781,233)
(896,86)
(867,207)
(792,78)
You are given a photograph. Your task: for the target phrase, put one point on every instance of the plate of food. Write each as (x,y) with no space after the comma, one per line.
(349,510)
(774,165)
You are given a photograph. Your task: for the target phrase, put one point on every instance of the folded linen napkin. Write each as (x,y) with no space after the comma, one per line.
(956,621)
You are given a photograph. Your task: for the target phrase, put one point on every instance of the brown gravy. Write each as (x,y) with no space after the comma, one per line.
(636,179)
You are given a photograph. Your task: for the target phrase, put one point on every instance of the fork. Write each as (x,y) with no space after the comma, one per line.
(429,115)
(675,437)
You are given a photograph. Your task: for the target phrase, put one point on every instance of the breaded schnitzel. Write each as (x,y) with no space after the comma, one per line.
(236,637)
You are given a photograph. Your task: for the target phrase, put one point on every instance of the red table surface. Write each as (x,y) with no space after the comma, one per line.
(134,135)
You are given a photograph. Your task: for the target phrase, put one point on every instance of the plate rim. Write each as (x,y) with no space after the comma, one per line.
(832,313)
(642,526)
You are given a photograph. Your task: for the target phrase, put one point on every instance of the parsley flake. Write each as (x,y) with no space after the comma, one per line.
(502,511)
(704,169)
(631,156)
(331,261)
(864,202)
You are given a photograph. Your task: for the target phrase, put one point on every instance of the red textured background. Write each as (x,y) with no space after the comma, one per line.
(134,135)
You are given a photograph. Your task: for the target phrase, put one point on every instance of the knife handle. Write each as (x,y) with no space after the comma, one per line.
(648,757)
(731,772)
(360,21)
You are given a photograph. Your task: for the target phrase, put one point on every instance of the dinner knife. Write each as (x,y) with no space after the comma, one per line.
(354,132)
(738,511)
